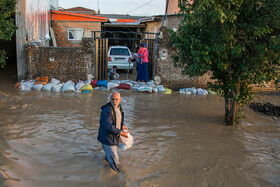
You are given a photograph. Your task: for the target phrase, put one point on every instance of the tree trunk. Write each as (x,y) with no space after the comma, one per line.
(231,109)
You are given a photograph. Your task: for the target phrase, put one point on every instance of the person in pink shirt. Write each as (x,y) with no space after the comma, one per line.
(143,64)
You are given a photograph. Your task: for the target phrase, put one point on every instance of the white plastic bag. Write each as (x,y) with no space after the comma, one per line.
(126,143)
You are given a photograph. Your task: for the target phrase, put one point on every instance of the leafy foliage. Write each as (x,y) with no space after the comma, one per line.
(7,25)
(238,40)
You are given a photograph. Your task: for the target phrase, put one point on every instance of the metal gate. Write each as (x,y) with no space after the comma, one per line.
(101,51)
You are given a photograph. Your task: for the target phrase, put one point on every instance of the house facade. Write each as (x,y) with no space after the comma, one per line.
(69,28)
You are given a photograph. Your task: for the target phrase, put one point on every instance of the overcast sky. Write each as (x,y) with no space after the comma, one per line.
(131,7)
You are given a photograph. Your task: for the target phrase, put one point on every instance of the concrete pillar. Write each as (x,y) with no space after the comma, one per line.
(20,38)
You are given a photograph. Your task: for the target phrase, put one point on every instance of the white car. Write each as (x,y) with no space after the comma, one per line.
(120,56)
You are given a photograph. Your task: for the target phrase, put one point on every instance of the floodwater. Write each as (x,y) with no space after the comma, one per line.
(49,139)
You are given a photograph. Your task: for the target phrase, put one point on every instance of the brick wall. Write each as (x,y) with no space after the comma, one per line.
(61,35)
(173,7)
(172,76)
(62,63)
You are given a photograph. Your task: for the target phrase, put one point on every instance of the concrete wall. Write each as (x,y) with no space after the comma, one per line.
(61,35)
(62,63)
(20,38)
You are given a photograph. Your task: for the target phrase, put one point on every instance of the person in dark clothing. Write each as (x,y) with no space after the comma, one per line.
(111,128)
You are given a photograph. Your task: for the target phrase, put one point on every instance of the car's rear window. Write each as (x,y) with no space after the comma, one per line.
(119,51)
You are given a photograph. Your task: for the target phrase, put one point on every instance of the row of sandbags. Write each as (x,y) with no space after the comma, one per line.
(86,86)
(198,91)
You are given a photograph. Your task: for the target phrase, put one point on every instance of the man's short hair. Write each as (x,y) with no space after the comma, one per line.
(114,66)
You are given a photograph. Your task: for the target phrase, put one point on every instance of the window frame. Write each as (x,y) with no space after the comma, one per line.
(74,30)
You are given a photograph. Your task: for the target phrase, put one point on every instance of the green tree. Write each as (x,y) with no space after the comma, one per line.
(238,40)
(7,25)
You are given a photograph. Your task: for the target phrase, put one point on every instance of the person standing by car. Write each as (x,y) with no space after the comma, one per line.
(111,128)
(143,64)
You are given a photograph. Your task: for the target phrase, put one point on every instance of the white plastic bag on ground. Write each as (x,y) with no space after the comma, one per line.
(126,143)
(68,86)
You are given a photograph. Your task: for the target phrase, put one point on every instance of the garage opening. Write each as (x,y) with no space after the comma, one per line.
(121,38)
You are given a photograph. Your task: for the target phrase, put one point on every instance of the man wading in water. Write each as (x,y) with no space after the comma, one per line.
(110,129)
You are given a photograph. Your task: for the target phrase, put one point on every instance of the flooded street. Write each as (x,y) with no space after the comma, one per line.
(49,139)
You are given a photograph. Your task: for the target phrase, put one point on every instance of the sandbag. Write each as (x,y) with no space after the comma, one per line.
(168,91)
(124,86)
(192,90)
(57,87)
(93,83)
(41,80)
(145,89)
(48,87)
(37,87)
(87,87)
(79,85)
(54,81)
(17,85)
(126,143)
(111,85)
(26,85)
(68,86)
(102,83)
(155,90)
(161,88)
(185,91)
(211,92)
(201,91)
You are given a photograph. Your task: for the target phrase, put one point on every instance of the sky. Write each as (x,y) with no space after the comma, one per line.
(131,7)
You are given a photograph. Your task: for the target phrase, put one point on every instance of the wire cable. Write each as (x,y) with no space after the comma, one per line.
(140,6)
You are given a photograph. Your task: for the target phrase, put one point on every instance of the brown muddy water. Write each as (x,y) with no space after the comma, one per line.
(49,139)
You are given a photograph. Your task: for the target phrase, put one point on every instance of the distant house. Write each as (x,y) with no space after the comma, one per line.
(69,28)
(80,10)
(153,25)
(172,9)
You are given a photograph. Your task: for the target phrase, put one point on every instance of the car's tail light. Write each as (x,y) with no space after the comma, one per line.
(129,60)
(109,59)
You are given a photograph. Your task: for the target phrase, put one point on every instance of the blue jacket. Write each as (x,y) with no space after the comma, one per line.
(108,133)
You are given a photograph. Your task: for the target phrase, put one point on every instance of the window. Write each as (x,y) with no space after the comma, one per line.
(75,34)
(119,51)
